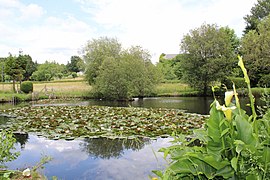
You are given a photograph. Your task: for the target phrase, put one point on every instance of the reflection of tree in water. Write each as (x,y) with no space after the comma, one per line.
(21,138)
(112,148)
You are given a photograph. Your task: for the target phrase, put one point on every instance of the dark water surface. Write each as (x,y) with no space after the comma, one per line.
(102,158)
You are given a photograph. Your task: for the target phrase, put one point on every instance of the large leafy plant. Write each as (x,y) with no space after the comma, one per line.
(233,145)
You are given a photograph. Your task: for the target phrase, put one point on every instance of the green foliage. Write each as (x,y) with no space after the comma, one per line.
(255,47)
(59,75)
(7,145)
(76,64)
(209,53)
(27,65)
(166,67)
(14,68)
(264,81)
(258,12)
(27,87)
(170,68)
(47,71)
(233,145)
(96,51)
(118,74)
(237,81)
(74,75)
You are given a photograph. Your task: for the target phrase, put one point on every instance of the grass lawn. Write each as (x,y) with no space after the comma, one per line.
(66,88)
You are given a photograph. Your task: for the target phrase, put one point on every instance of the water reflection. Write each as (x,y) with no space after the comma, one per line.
(112,148)
(77,159)
(21,138)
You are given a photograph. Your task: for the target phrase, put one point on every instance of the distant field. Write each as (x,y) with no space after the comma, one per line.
(63,88)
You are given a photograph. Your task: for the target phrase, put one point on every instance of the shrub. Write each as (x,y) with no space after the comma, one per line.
(60,75)
(238,81)
(27,87)
(74,75)
(264,81)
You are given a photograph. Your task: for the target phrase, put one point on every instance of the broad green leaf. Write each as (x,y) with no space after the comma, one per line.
(245,131)
(214,129)
(234,163)
(158,173)
(225,131)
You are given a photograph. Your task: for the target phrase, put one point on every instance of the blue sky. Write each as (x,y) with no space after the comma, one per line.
(55,30)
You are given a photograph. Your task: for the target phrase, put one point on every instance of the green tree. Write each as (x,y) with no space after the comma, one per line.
(27,64)
(258,12)
(131,74)
(47,71)
(209,55)
(96,51)
(75,64)
(111,83)
(2,69)
(141,74)
(255,50)
(166,66)
(14,69)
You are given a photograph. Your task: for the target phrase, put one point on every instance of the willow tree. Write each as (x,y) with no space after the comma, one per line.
(96,51)
(209,53)
(119,74)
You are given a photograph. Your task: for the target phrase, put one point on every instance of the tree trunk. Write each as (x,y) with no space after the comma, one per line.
(14,89)
(205,89)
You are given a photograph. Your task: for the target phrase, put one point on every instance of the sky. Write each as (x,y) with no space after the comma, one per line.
(55,30)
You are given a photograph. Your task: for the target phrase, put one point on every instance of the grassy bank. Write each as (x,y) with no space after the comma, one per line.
(175,89)
(77,88)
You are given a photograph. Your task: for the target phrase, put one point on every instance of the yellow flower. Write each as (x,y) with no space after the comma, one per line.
(228,97)
(228,111)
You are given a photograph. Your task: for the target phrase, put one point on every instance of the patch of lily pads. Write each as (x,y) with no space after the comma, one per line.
(70,122)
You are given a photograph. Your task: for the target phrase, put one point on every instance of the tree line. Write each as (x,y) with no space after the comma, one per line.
(23,68)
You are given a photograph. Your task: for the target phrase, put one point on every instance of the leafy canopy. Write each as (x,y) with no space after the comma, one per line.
(209,52)
(258,12)
(118,74)
(255,49)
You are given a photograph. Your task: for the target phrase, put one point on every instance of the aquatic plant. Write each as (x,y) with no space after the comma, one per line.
(232,146)
(69,122)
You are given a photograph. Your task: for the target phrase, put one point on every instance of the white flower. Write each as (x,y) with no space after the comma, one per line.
(26,173)
(228,97)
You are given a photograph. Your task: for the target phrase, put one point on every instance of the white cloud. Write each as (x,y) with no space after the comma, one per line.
(156,25)
(159,25)
(30,28)
(31,11)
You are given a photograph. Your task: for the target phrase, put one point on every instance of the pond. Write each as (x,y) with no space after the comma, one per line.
(200,105)
(99,158)
(102,158)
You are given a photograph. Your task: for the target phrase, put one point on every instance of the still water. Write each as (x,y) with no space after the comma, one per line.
(102,158)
